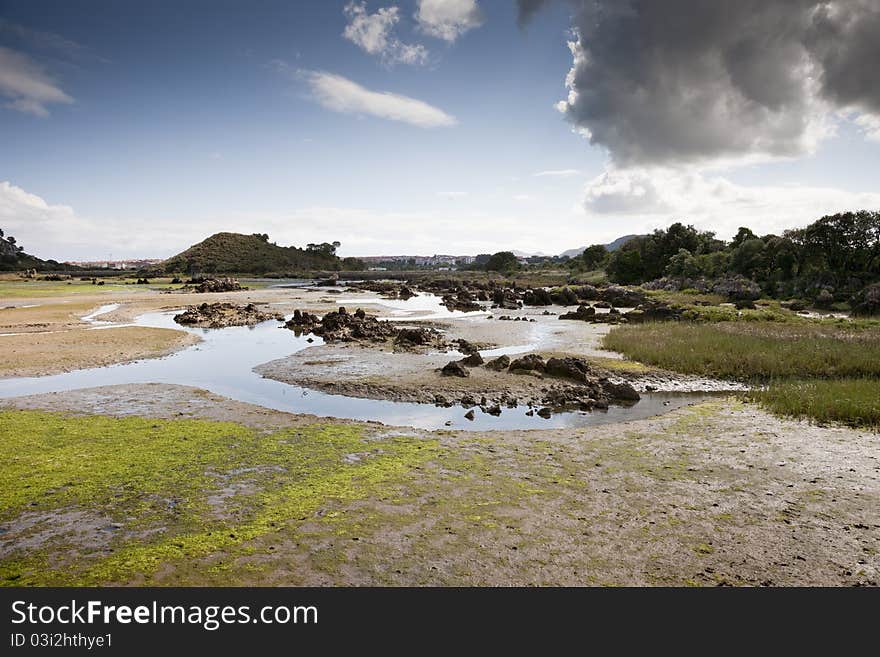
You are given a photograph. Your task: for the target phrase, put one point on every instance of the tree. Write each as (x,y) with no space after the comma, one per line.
(748,257)
(594,256)
(625,265)
(741,236)
(503,261)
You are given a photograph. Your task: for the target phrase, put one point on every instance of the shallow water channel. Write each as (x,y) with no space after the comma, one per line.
(224,360)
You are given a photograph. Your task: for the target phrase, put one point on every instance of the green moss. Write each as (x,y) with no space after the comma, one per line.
(160,480)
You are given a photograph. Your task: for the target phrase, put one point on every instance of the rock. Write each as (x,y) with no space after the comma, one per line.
(463,302)
(455,368)
(440,400)
(505,298)
(587,292)
(583,313)
(464,346)
(652,311)
(468,401)
(622,297)
(301,322)
(575,369)
(622,391)
(415,336)
(470,415)
(564,297)
(473,360)
(545,412)
(495,409)
(220,315)
(527,364)
(499,364)
(217,285)
(537,297)
(341,326)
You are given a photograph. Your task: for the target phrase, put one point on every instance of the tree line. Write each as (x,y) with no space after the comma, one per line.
(837,255)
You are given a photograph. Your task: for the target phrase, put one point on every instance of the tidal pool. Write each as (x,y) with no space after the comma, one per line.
(224,360)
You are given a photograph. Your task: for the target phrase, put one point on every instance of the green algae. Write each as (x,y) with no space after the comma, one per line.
(158,479)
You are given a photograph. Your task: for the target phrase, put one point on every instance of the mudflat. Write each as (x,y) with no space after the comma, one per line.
(172,485)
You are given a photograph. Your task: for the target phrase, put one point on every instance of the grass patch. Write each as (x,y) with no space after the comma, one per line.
(854,402)
(752,352)
(177,489)
(824,371)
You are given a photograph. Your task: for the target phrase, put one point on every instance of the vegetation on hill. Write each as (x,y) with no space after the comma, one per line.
(13,257)
(835,260)
(227,253)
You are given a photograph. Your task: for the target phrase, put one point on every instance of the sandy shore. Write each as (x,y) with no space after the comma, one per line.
(47,335)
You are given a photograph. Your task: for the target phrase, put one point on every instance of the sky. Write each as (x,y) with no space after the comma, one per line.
(135,129)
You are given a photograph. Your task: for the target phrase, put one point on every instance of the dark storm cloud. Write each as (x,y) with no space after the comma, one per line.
(528,8)
(845,39)
(684,81)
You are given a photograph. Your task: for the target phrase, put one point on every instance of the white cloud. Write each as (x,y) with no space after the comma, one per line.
(870,125)
(342,95)
(451,195)
(26,84)
(56,231)
(638,198)
(448,19)
(559,173)
(373,33)
(523,198)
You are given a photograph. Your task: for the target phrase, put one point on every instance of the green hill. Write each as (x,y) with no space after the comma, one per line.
(13,258)
(234,253)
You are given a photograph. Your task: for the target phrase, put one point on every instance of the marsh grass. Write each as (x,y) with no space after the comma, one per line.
(824,371)
(854,402)
(747,351)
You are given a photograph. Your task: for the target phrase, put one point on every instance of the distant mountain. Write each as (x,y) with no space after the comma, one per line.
(613,246)
(620,241)
(523,254)
(234,253)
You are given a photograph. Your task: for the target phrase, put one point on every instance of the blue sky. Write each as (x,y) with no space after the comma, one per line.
(136,129)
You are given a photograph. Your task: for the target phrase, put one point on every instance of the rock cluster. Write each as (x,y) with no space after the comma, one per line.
(582,389)
(226,284)
(343,326)
(221,315)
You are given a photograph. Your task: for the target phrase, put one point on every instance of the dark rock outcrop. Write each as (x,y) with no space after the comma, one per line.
(473,360)
(574,369)
(455,368)
(528,365)
(220,315)
(217,285)
(622,391)
(499,364)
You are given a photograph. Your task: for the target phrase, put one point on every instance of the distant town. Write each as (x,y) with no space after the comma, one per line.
(435,262)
